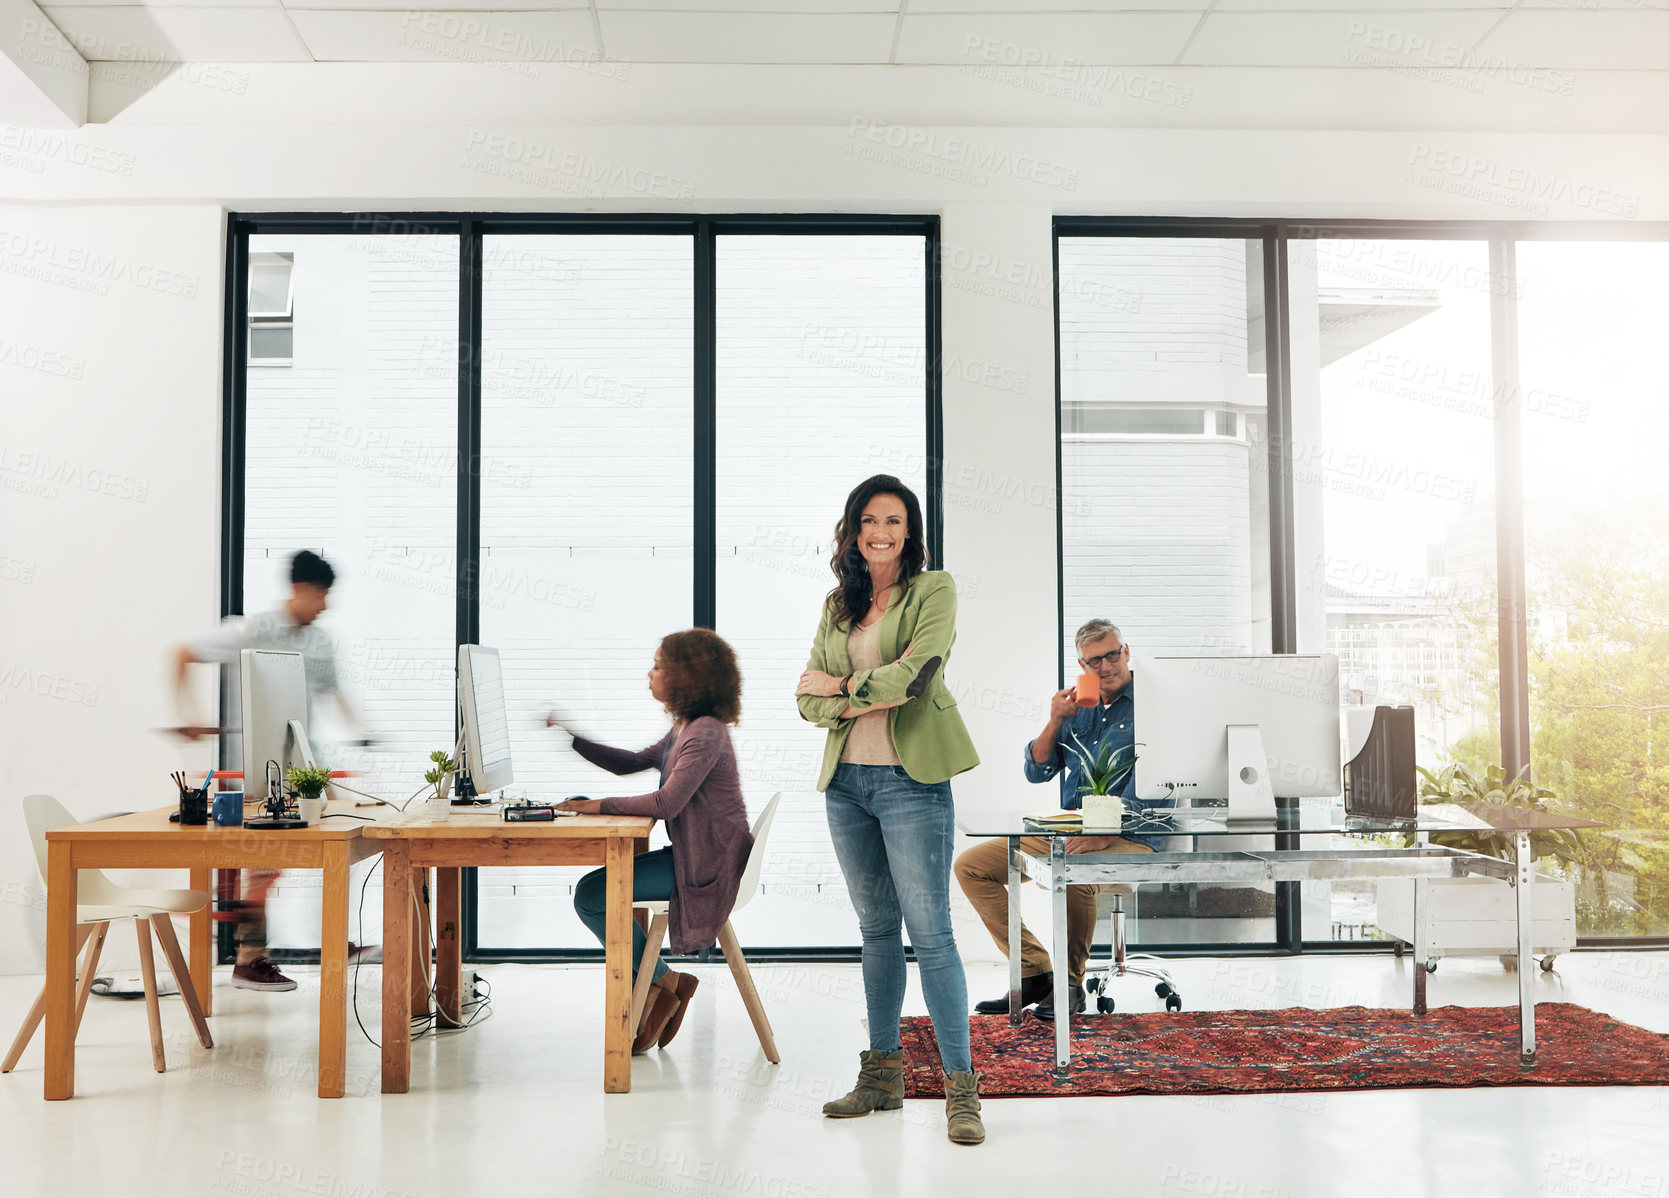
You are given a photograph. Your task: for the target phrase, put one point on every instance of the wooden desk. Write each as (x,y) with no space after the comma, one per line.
(412,845)
(146,840)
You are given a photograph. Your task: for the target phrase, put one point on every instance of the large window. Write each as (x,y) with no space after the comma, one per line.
(822,372)
(1164,485)
(1593,404)
(587,516)
(566,438)
(1414,367)
(1392,455)
(351,451)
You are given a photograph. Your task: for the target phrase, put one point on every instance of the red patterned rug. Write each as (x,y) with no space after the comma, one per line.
(1345,1048)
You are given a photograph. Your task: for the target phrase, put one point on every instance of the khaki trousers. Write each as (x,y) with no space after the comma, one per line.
(250,932)
(982,872)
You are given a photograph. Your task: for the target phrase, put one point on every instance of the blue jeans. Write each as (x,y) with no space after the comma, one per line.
(651,879)
(893,837)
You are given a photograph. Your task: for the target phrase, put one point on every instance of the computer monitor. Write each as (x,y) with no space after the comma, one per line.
(273,688)
(1246,729)
(484,757)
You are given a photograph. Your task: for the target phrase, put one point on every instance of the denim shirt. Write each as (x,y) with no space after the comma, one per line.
(1112,722)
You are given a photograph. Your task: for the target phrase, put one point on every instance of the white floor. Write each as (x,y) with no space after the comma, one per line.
(515,1105)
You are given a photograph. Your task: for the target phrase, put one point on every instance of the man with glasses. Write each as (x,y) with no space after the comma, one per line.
(983,869)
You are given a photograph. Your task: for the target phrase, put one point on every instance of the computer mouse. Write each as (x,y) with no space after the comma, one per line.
(577,798)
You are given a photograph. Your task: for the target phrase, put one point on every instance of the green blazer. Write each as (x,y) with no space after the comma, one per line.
(928,733)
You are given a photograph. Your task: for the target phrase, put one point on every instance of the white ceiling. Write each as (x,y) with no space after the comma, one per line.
(1399,35)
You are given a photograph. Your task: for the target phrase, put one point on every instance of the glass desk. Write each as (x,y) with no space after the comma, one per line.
(1293,847)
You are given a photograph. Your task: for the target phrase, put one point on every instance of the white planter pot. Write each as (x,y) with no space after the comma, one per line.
(438,809)
(1477,916)
(1103,814)
(312,810)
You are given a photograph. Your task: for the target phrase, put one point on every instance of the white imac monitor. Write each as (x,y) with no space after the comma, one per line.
(274,693)
(1246,729)
(485,723)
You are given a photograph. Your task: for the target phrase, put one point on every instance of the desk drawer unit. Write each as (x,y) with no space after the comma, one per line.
(1476,915)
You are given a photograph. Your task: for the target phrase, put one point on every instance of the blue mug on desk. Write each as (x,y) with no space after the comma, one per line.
(228,808)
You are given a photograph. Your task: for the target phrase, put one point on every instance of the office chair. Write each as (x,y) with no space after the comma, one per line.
(1097,978)
(727,939)
(101,901)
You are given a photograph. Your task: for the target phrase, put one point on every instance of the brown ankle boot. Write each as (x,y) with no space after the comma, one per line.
(880,1086)
(683,985)
(658,1010)
(962,1120)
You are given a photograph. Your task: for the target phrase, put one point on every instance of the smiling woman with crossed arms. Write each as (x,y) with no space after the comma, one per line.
(875,681)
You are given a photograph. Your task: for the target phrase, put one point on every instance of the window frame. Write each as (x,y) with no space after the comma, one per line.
(472,229)
(275,320)
(1277,235)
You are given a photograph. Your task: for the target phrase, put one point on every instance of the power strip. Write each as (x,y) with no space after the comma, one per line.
(466,987)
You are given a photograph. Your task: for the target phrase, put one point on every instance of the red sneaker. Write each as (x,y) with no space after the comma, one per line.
(260,975)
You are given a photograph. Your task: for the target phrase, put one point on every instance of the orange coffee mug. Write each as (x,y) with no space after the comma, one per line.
(1089,689)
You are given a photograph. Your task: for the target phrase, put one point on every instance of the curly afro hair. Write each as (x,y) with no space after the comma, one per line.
(700,676)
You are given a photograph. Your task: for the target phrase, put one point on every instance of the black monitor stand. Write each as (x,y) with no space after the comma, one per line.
(464,793)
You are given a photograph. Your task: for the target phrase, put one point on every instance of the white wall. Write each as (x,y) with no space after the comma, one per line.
(110,469)
(110,269)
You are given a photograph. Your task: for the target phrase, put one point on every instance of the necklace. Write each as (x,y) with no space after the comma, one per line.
(876,605)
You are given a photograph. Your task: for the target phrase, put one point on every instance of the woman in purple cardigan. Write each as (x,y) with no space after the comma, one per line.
(699,797)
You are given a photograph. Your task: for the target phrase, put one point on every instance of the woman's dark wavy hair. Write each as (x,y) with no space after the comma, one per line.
(852,595)
(700,676)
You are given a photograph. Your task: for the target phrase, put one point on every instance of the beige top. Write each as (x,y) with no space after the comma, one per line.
(870,742)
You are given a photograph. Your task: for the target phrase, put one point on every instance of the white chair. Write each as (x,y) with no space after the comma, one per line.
(100,902)
(727,939)
(1096,978)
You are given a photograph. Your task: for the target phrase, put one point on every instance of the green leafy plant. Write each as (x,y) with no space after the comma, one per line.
(1458,785)
(308,781)
(436,776)
(1105,769)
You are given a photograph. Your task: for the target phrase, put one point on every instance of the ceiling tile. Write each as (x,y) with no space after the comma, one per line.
(1408,40)
(1569,40)
(1064,7)
(750,6)
(448,36)
(1385,8)
(139,34)
(1007,39)
(436,5)
(1600,5)
(273,4)
(747,37)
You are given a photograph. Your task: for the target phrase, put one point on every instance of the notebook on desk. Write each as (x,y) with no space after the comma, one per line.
(1056,818)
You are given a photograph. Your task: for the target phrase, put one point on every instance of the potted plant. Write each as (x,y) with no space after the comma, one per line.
(1477,916)
(1104,773)
(440,777)
(1455,784)
(309,782)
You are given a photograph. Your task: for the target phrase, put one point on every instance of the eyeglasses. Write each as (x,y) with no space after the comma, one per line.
(1094,663)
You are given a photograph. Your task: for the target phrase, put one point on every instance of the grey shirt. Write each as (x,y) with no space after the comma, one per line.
(272,630)
(268,630)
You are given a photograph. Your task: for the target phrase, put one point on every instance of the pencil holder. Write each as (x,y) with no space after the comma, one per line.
(194,806)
